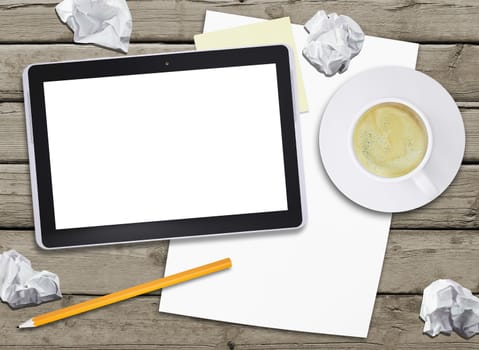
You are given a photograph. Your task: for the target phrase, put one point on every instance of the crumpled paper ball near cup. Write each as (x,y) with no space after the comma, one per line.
(332,43)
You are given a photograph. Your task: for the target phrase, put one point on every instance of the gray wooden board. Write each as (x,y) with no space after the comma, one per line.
(100,270)
(454,66)
(437,241)
(457,207)
(13,138)
(137,324)
(173,20)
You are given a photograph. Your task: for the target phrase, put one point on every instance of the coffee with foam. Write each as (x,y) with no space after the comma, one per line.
(390,140)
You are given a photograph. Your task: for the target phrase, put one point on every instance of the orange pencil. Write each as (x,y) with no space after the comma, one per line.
(128,293)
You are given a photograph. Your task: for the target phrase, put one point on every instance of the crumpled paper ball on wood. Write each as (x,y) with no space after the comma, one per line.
(447,306)
(332,43)
(106,23)
(22,286)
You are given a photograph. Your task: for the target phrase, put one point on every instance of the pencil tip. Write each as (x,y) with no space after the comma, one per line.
(27,324)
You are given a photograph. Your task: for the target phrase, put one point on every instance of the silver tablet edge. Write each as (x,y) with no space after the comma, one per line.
(31,157)
(33,178)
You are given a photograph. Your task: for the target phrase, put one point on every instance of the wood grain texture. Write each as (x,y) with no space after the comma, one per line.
(15,196)
(93,270)
(14,58)
(440,240)
(416,258)
(13,137)
(454,66)
(137,324)
(457,207)
(471,125)
(413,260)
(179,20)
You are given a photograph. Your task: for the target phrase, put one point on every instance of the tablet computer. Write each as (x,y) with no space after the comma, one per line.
(163,146)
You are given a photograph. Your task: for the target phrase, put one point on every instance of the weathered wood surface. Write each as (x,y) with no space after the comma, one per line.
(454,66)
(94,270)
(13,139)
(179,20)
(457,207)
(413,260)
(440,240)
(137,324)
(14,58)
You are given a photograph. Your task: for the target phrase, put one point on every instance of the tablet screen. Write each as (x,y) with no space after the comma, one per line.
(165,146)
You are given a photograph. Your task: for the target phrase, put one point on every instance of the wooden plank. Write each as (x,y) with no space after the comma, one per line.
(15,196)
(137,324)
(471,124)
(14,58)
(94,270)
(454,66)
(13,138)
(457,207)
(171,20)
(413,260)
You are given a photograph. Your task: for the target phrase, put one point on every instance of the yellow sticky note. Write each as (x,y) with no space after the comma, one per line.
(277,31)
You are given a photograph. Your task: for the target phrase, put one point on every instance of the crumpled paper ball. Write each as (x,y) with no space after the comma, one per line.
(106,23)
(22,286)
(447,306)
(332,43)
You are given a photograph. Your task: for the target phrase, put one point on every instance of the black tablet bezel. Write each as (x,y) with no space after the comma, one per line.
(52,238)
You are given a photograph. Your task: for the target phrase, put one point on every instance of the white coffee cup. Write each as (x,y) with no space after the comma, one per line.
(418,174)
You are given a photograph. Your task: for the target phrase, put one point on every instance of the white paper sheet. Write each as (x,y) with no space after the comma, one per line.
(321,279)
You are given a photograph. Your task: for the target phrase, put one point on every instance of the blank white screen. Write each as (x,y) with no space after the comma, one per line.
(164,146)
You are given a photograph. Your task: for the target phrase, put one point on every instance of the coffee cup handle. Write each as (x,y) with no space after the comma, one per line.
(424,183)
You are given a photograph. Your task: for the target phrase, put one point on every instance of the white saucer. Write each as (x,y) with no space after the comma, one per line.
(391,83)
